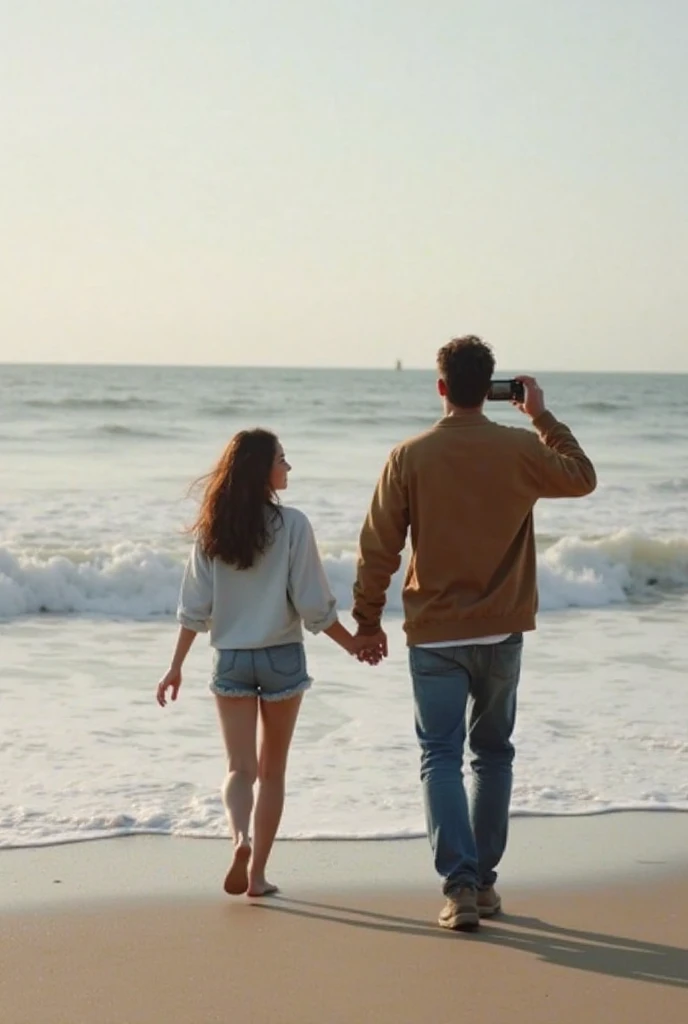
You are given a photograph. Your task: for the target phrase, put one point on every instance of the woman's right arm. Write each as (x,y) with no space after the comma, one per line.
(172,679)
(195,606)
(194,613)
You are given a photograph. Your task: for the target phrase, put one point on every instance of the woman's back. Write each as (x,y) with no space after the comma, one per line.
(253,577)
(262,606)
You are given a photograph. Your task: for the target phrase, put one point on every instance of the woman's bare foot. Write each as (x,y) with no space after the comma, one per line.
(236,880)
(261,887)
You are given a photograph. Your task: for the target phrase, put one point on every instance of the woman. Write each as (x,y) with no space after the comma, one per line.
(253,577)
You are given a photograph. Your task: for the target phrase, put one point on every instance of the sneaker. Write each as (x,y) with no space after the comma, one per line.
(460,912)
(489,902)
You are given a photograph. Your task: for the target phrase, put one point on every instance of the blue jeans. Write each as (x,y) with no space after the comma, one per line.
(467,843)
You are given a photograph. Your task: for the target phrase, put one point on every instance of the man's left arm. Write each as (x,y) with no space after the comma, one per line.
(381,543)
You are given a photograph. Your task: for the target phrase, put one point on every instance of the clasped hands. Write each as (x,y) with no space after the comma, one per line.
(370,648)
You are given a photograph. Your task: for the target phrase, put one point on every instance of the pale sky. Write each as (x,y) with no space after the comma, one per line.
(344,182)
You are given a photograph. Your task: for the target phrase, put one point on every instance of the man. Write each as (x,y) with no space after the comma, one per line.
(466,490)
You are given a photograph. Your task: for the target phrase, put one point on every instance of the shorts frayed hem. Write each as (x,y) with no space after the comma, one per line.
(271,698)
(219,692)
(294,691)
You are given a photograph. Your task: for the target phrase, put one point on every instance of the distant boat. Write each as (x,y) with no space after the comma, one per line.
(397,365)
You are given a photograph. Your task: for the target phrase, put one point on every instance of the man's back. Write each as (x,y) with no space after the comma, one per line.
(466,489)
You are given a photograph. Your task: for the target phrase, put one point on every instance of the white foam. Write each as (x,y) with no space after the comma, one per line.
(108,761)
(136,581)
(126,580)
(52,832)
(611,570)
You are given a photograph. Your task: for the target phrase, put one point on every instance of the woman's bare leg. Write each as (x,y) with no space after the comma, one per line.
(238,720)
(278,719)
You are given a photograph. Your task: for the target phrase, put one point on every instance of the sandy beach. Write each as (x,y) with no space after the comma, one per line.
(348,939)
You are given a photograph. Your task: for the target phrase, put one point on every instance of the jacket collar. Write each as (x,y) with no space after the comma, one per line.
(466,419)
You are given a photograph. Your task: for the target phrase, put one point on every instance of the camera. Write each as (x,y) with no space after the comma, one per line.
(506,391)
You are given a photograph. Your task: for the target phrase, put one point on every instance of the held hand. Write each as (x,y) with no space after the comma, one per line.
(360,648)
(172,680)
(371,648)
(533,404)
(370,655)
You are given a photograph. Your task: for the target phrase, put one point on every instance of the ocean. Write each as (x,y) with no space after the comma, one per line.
(94,477)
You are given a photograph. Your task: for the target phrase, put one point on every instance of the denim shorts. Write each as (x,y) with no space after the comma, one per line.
(271,673)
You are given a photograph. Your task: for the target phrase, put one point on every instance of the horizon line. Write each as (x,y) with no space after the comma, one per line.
(324,369)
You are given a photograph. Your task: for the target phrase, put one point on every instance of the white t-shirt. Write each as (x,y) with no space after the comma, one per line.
(265,605)
(479,641)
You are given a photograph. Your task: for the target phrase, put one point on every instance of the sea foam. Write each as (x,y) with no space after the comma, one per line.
(137,582)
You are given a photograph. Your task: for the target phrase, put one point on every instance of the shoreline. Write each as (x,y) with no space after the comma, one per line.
(138,930)
(568,853)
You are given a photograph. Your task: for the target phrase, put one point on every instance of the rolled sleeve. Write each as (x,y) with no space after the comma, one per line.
(194,610)
(309,590)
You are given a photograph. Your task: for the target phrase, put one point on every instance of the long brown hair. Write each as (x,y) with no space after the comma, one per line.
(238,508)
